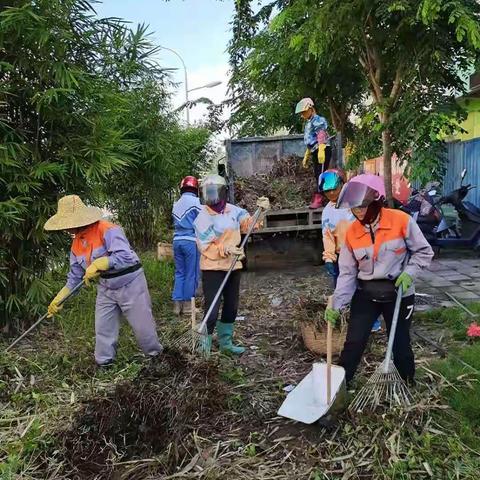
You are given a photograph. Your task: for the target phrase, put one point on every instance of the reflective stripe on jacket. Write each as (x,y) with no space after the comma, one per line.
(398,239)
(184,213)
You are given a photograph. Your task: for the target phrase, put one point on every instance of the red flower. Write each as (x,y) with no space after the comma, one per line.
(473,330)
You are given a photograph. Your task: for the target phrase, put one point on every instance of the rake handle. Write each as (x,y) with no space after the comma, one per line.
(230,270)
(393,328)
(43,317)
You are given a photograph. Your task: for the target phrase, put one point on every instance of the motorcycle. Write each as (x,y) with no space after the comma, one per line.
(448,221)
(468,229)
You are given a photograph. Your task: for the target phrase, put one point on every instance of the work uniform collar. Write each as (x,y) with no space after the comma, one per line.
(211,211)
(86,230)
(385,223)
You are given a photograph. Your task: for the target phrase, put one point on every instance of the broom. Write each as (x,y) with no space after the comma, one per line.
(385,386)
(195,339)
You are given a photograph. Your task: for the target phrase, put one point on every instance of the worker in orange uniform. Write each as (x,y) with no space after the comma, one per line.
(335,223)
(383,249)
(100,250)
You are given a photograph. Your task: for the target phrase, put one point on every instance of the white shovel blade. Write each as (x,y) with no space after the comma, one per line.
(307,402)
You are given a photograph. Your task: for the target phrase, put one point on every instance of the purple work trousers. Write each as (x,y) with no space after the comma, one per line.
(133,301)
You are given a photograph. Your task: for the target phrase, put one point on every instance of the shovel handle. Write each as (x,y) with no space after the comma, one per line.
(329,355)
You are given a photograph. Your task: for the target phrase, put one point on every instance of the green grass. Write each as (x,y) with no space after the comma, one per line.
(54,369)
(44,380)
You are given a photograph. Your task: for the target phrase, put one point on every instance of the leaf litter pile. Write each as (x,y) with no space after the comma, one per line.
(155,414)
(287,185)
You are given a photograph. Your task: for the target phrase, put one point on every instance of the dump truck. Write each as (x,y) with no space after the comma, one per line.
(283,229)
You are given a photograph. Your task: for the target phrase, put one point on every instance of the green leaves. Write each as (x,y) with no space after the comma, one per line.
(84,109)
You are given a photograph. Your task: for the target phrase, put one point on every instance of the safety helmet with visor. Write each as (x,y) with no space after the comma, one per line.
(213,190)
(364,191)
(330,180)
(303,105)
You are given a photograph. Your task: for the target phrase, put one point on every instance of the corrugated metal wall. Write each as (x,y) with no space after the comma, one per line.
(463,155)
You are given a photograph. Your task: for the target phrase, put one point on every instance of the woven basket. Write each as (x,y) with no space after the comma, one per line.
(164,251)
(315,339)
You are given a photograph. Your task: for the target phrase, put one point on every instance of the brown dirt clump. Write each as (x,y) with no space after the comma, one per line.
(287,185)
(153,415)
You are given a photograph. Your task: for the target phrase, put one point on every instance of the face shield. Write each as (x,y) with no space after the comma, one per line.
(356,195)
(213,191)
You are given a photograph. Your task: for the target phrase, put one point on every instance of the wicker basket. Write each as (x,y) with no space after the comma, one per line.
(315,339)
(164,251)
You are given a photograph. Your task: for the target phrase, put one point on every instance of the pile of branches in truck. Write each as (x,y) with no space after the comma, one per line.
(287,185)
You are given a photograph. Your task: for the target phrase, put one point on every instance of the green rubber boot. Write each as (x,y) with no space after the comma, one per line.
(225,334)
(205,345)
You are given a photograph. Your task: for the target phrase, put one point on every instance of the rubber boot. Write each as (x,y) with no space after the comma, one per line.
(205,345)
(177,308)
(225,334)
(316,201)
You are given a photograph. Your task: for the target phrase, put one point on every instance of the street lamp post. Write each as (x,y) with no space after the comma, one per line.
(208,85)
(186,78)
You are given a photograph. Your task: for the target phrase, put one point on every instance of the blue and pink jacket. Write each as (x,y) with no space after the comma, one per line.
(102,239)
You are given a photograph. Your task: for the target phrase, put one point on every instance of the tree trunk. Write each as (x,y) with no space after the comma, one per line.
(387,164)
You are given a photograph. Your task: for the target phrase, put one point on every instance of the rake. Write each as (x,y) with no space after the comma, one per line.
(386,386)
(43,317)
(196,339)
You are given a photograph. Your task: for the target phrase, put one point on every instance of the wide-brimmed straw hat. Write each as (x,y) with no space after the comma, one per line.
(72,213)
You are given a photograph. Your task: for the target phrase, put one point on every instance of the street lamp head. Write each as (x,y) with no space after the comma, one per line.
(213,84)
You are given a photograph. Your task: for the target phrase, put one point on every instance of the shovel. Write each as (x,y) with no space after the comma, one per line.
(321,392)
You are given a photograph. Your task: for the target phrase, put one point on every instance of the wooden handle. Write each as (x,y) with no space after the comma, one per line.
(329,355)
(194,320)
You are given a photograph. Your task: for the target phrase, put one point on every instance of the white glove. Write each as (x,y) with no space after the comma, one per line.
(233,250)
(263,203)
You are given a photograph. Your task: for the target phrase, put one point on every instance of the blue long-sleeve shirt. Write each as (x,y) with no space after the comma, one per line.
(185,211)
(312,127)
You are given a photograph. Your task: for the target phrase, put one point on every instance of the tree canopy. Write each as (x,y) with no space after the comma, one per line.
(398,64)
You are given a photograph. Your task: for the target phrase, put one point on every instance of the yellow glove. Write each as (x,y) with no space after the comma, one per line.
(321,153)
(263,203)
(306,158)
(93,270)
(54,306)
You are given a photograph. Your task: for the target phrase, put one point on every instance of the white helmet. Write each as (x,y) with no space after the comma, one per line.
(213,189)
(303,105)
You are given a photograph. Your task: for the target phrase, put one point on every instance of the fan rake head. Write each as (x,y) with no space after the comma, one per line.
(194,340)
(384,388)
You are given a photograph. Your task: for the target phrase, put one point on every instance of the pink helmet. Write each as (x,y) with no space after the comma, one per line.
(361,191)
(373,181)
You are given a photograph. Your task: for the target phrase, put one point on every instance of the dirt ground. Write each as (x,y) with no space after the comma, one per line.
(228,427)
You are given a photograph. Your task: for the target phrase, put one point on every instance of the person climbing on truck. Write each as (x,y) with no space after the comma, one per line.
(101,250)
(218,229)
(185,252)
(335,223)
(318,150)
(383,249)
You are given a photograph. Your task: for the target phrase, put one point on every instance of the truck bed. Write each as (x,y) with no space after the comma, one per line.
(292,220)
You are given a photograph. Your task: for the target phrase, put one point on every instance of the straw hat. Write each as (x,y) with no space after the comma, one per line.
(72,213)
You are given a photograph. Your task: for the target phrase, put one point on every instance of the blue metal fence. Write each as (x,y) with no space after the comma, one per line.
(463,155)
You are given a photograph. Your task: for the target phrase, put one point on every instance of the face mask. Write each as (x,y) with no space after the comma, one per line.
(372,213)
